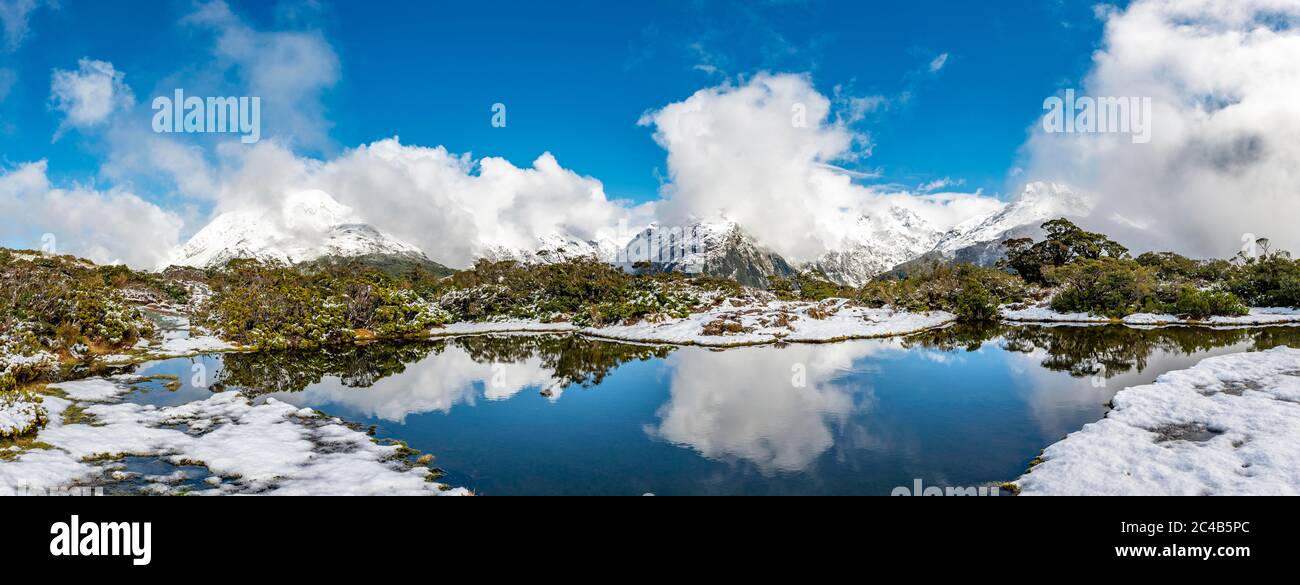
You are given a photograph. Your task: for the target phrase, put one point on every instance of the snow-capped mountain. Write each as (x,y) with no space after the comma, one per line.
(979,240)
(713,248)
(898,237)
(880,242)
(557,247)
(1037,203)
(310,225)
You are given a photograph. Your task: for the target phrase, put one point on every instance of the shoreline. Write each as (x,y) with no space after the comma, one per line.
(1258,317)
(1226,426)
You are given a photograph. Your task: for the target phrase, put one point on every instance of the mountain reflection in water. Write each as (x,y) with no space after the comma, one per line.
(964,405)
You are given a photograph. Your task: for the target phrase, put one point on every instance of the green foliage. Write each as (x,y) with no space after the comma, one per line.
(974,302)
(1269,281)
(273,307)
(1199,304)
(809,286)
(61,303)
(1107,286)
(586,292)
(1063,244)
(972,292)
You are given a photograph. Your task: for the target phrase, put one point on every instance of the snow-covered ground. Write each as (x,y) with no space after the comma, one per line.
(179,339)
(1228,426)
(1257,316)
(736,323)
(271,448)
(19,414)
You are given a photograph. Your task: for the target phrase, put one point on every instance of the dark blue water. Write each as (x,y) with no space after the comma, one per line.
(565,415)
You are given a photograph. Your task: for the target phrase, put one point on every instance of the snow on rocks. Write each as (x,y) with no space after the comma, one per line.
(1257,316)
(20,413)
(1227,426)
(269,448)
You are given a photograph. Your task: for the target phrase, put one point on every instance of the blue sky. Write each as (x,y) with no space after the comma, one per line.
(577,76)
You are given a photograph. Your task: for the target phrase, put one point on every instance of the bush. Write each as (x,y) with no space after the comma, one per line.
(1270,281)
(965,289)
(1065,243)
(974,303)
(273,307)
(1199,304)
(1105,286)
(64,302)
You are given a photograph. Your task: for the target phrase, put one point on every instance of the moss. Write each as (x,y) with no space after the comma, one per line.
(24,444)
(1010,487)
(75,414)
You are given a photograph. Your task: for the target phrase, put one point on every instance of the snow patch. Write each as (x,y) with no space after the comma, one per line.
(266,449)
(1227,426)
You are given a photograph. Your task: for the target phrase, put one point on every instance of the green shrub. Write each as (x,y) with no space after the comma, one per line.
(975,303)
(1199,304)
(1063,244)
(941,287)
(1106,286)
(1270,281)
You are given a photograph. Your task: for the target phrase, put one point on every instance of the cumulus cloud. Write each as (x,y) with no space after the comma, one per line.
(1223,160)
(452,206)
(106,227)
(767,154)
(89,95)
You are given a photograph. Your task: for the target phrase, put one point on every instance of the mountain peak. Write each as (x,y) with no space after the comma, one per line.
(310,225)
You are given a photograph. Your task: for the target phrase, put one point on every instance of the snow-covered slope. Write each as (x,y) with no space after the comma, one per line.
(979,240)
(714,248)
(310,225)
(1037,203)
(557,247)
(881,241)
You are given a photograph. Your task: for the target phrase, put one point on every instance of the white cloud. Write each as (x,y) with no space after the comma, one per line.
(290,70)
(14,15)
(89,95)
(739,151)
(104,226)
(938,62)
(939,184)
(741,404)
(450,205)
(1223,160)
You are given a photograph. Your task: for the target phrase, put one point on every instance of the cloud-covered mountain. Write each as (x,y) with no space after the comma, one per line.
(713,248)
(557,247)
(311,225)
(979,239)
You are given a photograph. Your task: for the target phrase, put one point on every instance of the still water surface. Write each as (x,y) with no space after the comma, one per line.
(543,414)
